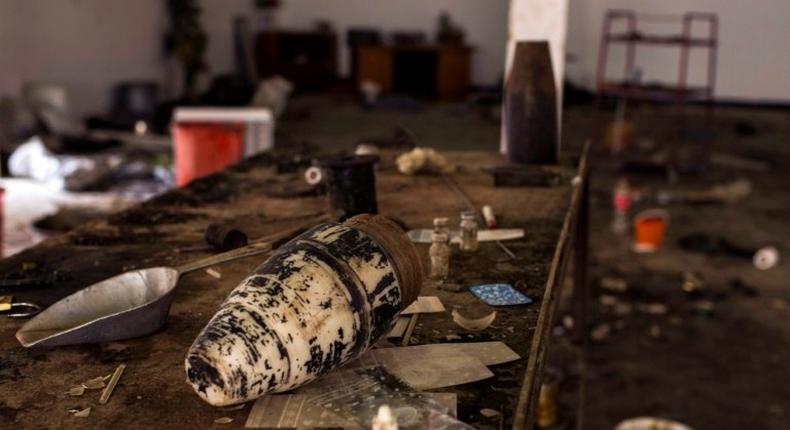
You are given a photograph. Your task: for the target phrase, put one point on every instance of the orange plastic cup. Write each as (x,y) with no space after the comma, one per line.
(649,227)
(204,148)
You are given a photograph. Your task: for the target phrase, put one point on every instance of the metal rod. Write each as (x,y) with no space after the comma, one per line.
(409,329)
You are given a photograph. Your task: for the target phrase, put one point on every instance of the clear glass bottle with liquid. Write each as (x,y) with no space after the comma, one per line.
(469,231)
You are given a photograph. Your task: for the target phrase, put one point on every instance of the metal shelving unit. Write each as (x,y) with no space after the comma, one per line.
(631,37)
(621,29)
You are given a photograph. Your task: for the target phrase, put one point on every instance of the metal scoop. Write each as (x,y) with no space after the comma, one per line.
(128,305)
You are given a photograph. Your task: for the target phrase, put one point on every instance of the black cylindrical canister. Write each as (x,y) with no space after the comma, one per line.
(224,237)
(351,185)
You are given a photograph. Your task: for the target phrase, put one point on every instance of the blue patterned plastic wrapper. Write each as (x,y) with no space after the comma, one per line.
(500,295)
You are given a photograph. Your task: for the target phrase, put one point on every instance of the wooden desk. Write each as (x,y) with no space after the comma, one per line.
(153,393)
(308,59)
(450,75)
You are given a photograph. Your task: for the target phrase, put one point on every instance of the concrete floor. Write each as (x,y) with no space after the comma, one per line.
(725,371)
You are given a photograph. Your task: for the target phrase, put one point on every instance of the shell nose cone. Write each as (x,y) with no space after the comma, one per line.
(206,380)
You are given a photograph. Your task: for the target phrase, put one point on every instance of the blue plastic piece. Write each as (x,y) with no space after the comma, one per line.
(500,295)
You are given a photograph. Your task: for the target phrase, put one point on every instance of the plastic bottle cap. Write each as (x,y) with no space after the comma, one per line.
(766,258)
(313,175)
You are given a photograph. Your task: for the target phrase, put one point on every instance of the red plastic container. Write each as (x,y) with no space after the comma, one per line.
(204,148)
(649,227)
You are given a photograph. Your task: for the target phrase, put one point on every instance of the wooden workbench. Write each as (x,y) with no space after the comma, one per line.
(165,231)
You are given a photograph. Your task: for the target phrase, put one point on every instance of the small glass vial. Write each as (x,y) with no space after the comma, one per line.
(468,231)
(440,256)
(440,226)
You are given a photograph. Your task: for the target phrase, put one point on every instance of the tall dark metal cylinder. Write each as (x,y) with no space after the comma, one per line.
(351,185)
(530,114)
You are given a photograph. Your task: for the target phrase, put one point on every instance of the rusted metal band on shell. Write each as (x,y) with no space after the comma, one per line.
(398,248)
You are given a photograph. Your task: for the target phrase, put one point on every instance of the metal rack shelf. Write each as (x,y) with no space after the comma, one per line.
(653,39)
(631,37)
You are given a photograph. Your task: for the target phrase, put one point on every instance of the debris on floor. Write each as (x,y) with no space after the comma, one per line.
(723,193)
(83,413)
(651,423)
(116,376)
(348,399)
(704,308)
(489,413)
(766,258)
(214,273)
(224,237)
(235,408)
(423,160)
(600,332)
(96,383)
(76,391)
(547,412)
(399,328)
(763,258)
(473,324)
(609,283)
(653,308)
(424,305)
(692,283)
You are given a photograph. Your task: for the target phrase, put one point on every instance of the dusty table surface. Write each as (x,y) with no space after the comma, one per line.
(164,231)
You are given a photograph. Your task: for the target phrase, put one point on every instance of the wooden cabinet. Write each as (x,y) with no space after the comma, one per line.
(452,74)
(374,63)
(308,59)
(447,69)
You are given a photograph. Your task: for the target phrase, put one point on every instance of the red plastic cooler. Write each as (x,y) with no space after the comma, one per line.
(204,148)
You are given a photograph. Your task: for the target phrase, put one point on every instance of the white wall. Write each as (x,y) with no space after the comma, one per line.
(485,23)
(754,52)
(89,45)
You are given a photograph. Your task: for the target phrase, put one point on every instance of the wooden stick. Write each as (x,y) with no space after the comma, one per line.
(105,395)
(523,415)
(409,329)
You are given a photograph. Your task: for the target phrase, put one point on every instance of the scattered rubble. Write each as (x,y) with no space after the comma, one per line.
(618,285)
(600,332)
(470,324)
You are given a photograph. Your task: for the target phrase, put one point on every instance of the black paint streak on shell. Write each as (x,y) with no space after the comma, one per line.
(356,290)
(273,335)
(280,288)
(203,374)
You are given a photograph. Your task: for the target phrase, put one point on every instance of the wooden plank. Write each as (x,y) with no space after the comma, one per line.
(525,409)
